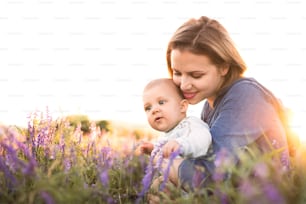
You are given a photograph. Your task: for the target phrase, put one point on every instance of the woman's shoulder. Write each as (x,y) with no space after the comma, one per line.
(244,91)
(246,81)
(247,86)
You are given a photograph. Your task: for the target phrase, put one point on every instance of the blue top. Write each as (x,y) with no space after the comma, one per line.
(245,113)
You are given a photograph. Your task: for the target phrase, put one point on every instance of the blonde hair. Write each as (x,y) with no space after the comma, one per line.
(205,36)
(165,81)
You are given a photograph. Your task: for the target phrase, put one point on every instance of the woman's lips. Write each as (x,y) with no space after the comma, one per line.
(189,95)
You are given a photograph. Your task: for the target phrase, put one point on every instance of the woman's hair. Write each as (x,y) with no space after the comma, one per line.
(205,36)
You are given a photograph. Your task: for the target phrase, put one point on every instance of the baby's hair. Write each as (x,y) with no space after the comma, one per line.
(169,82)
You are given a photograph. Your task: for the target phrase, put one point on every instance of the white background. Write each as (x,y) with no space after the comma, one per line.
(94,57)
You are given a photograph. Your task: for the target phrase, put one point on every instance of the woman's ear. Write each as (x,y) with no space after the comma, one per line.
(224,69)
(184,105)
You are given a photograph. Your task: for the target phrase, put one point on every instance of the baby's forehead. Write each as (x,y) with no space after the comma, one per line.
(158,82)
(163,87)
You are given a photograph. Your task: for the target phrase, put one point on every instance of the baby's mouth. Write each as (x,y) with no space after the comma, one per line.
(158,119)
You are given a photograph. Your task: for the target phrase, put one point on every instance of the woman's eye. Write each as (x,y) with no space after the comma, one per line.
(197,76)
(176,74)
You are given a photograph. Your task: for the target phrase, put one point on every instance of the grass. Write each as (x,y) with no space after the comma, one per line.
(52,162)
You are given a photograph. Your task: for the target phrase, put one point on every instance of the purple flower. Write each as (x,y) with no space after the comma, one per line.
(147,179)
(46,197)
(104,177)
(247,189)
(261,170)
(159,162)
(105,157)
(149,172)
(273,195)
(173,155)
(222,196)
(62,144)
(29,168)
(222,163)
(198,178)
(223,159)
(78,134)
(12,160)
(93,132)
(10,178)
(219,175)
(67,164)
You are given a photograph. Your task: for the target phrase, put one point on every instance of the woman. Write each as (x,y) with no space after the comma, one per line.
(204,62)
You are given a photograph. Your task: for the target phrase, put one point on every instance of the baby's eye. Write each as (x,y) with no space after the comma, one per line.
(161,102)
(147,108)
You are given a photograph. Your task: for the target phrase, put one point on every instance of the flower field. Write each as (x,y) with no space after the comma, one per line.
(52,161)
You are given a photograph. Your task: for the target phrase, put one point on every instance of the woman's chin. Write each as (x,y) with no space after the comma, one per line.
(193,101)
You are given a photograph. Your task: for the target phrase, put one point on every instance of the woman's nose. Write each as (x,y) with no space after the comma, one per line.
(185,84)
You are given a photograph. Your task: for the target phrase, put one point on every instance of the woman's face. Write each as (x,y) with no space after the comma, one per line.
(197,77)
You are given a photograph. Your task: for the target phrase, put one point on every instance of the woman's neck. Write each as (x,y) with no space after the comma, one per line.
(211,102)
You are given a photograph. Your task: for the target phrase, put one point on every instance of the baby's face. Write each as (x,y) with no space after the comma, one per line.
(163,107)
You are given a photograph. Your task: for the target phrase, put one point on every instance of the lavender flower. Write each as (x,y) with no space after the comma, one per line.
(62,144)
(159,162)
(273,195)
(12,160)
(47,198)
(222,196)
(67,164)
(78,134)
(222,163)
(152,169)
(10,178)
(198,178)
(247,189)
(93,132)
(105,162)
(173,155)
(149,172)
(30,167)
(223,159)
(105,157)
(104,178)
(261,170)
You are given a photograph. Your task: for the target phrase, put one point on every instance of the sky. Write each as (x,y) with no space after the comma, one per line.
(94,57)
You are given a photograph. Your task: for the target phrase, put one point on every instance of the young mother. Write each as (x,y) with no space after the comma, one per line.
(204,62)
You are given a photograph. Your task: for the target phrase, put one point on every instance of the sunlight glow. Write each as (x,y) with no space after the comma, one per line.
(296,122)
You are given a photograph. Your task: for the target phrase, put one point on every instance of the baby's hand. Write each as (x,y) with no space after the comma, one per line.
(169,147)
(146,147)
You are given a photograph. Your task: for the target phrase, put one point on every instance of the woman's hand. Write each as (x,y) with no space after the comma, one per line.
(169,147)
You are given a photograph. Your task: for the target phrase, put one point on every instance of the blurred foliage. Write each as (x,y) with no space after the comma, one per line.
(75,120)
(104,125)
(53,162)
(85,122)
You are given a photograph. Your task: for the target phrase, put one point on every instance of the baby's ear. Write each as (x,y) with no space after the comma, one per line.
(184,105)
